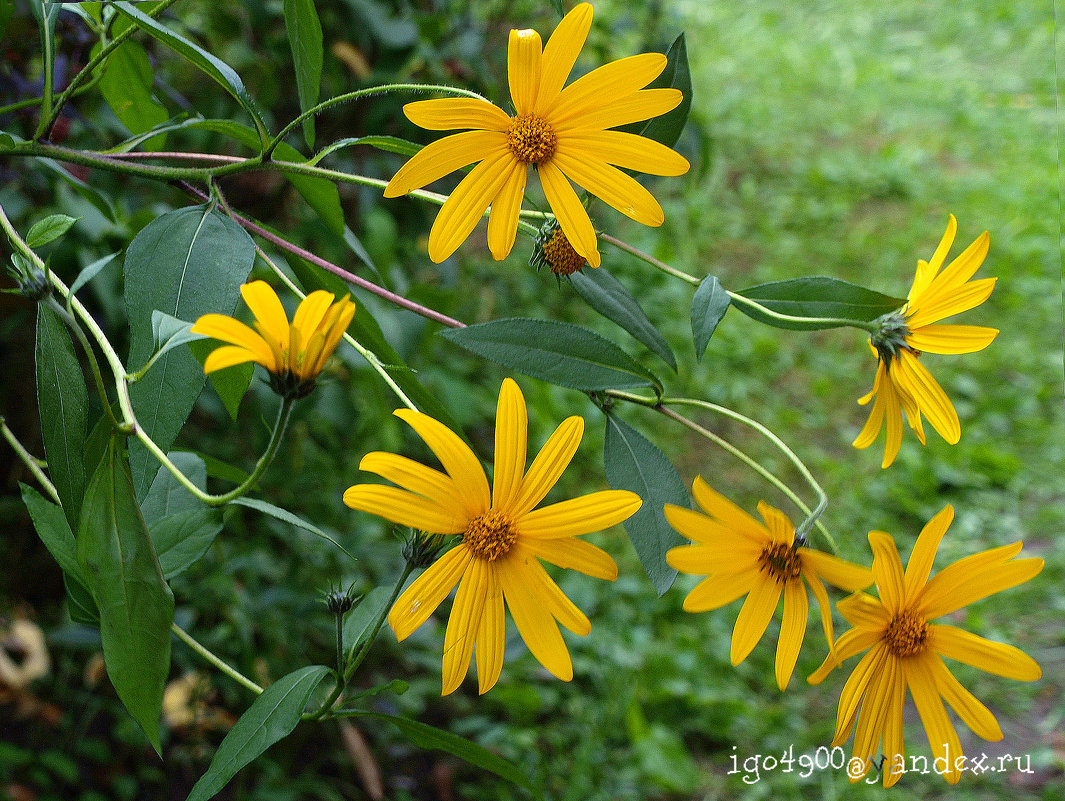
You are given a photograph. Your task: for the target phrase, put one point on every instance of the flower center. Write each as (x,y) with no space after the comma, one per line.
(907,634)
(561,256)
(781,562)
(531,139)
(489,536)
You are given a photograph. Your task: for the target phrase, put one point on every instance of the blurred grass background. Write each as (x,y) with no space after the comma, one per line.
(826,138)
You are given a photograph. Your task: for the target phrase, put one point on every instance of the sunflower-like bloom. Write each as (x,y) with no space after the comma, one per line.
(905,650)
(503,539)
(295,352)
(741,556)
(561,131)
(902,382)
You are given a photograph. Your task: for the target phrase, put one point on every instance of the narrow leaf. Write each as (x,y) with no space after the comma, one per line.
(818,296)
(7,10)
(287,517)
(430,737)
(389,144)
(358,622)
(63,401)
(305,40)
(709,305)
(186,263)
(169,332)
(560,353)
(635,464)
(49,229)
(136,606)
(92,195)
(608,296)
(677,75)
(90,273)
(271,717)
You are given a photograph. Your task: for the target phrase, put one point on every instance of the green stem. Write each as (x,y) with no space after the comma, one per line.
(657,264)
(29,460)
(208,656)
(21,104)
(360,93)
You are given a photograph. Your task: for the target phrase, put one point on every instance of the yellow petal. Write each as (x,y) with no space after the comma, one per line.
(229,355)
(443,157)
(269,313)
(980,584)
(524,58)
(456,457)
(450,113)
(569,211)
(864,611)
(940,590)
(576,516)
(941,733)
(781,531)
(218,326)
(535,624)
(921,279)
(405,508)
(503,219)
(838,572)
(427,592)
(610,185)
(560,54)
(945,243)
(413,476)
(792,630)
(992,657)
(849,644)
(893,745)
(823,604)
(976,716)
(887,571)
(960,270)
(546,469)
(467,204)
(717,505)
(924,552)
(512,424)
(965,297)
(625,150)
(311,311)
(344,312)
(462,625)
(951,338)
(875,704)
(591,94)
(855,689)
(491,635)
(574,554)
(720,589)
(893,419)
(550,596)
(930,397)
(754,617)
(707,531)
(634,107)
(704,560)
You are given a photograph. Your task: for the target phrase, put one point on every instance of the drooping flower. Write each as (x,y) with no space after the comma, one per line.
(562,132)
(741,556)
(902,382)
(294,353)
(906,650)
(504,537)
(553,250)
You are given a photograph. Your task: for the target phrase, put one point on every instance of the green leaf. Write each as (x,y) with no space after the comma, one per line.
(7,9)
(709,305)
(90,273)
(136,606)
(126,83)
(561,353)
(635,464)
(169,332)
(216,468)
(817,296)
(608,296)
(389,144)
(6,142)
(677,75)
(186,263)
(358,622)
(180,539)
(167,496)
(430,737)
(231,383)
(305,39)
(93,196)
(49,229)
(271,717)
(286,516)
(217,69)
(559,8)
(63,401)
(54,531)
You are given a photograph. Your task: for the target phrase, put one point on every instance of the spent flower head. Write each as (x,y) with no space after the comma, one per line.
(562,132)
(503,539)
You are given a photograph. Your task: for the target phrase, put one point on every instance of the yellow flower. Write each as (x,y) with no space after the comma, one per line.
(902,382)
(503,539)
(906,650)
(293,353)
(741,556)
(561,131)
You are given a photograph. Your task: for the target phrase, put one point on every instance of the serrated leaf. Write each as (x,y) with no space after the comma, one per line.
(667,127)
(709,304)
(633,463)
(214,67)
(358,622)
(561,353)
(127,83)
(187,263)
(90,272)
(430,737)
(63,400)
(305,40)
(181,538)
(608,296)
(49,229)
(819,297)
(286,516)
(136,606)
(271,717)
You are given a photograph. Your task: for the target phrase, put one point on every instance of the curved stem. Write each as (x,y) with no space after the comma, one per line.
(209,657)
(657,264)
(360,93)
(29,460)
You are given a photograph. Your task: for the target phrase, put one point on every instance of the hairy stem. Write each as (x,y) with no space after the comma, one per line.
(209,657)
